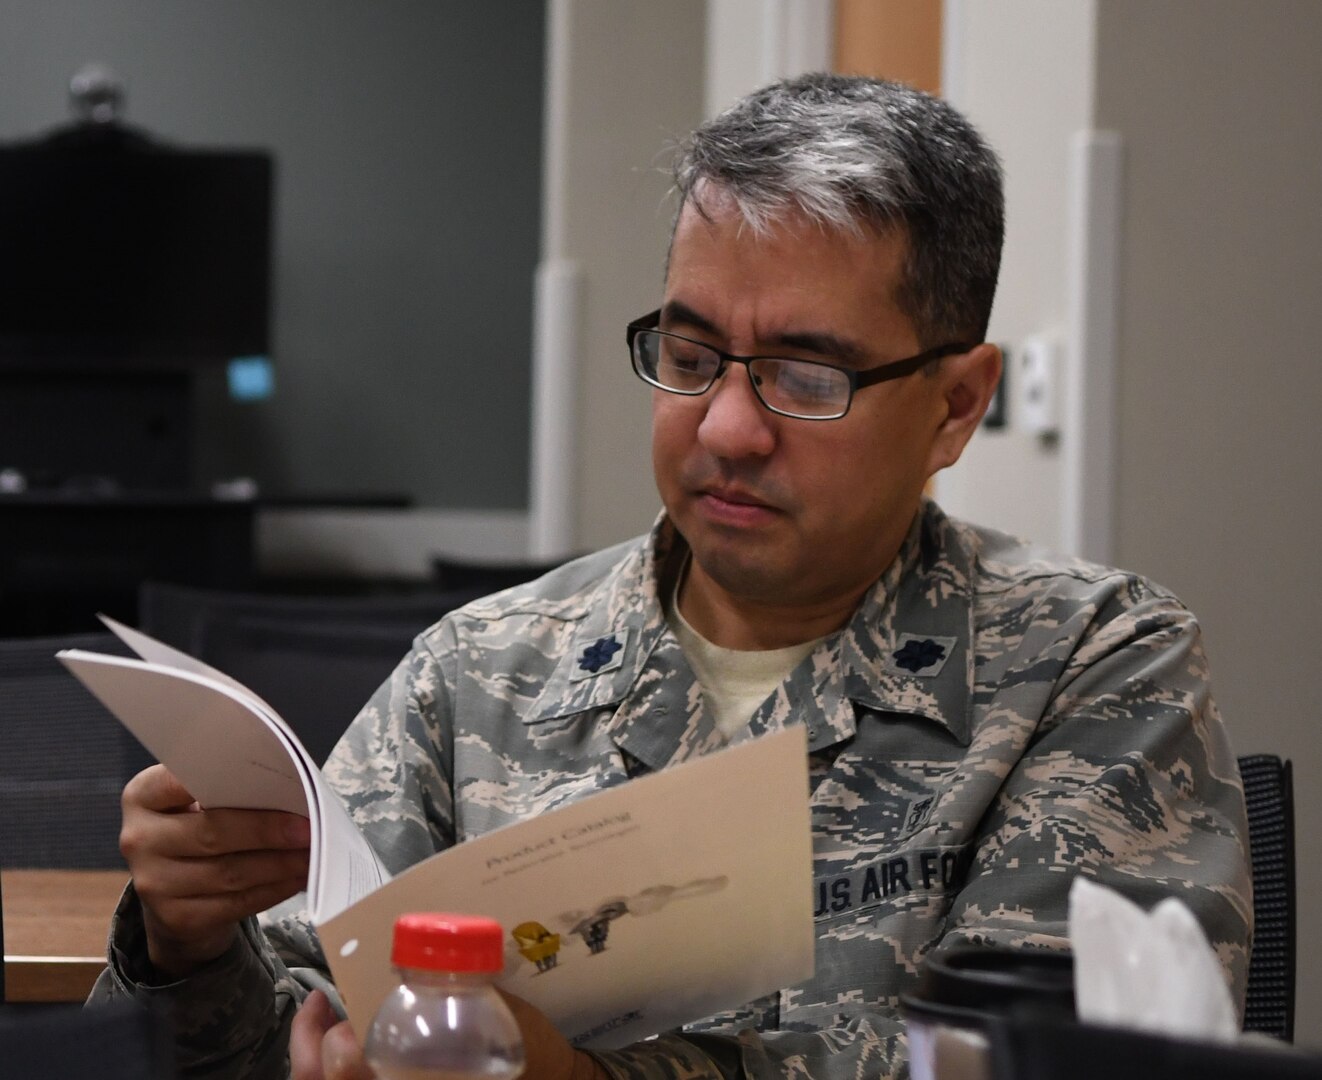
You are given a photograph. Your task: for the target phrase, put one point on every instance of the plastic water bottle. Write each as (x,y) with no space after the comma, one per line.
(445,1020)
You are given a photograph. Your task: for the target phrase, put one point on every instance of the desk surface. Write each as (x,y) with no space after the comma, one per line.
(55,926)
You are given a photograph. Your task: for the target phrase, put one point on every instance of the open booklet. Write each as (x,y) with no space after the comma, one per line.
(627,912)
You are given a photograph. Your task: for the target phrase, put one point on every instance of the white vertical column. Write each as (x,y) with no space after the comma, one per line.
(954,63)
(557,321)
(796,37)
(1088,431)
(557,345)
(753,42)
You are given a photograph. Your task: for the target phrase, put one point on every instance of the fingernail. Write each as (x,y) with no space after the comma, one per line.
(300,831)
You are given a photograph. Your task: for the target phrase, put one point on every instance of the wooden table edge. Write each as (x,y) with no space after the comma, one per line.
(51,978)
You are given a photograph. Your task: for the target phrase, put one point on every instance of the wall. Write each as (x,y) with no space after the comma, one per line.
(1021,70)
(1220,458)
(361,100)
(401,131)
(753,42)
(628,81)
(1219,453)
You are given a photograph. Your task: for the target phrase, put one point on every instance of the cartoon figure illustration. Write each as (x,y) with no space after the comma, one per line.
(535,942)
(538,944)
(655,897)
(594,928)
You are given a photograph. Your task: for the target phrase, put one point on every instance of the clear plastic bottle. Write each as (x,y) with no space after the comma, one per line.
(445,1020)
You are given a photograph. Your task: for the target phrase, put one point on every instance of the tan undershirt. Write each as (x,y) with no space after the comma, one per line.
(734,681)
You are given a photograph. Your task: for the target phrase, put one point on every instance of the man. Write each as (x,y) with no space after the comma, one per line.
(984,723)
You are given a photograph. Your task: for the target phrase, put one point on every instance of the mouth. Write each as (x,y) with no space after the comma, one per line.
(734,506)
(735,497)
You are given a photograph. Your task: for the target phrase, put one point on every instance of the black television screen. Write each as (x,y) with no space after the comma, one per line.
(136,254)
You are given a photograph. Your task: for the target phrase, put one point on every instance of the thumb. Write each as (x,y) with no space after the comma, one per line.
(342,1057)
(314,1017)
(157,788)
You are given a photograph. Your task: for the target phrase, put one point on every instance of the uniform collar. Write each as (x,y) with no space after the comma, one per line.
(619,627)
(907,649)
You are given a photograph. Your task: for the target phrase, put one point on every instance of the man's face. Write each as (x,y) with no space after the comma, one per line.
(782,512)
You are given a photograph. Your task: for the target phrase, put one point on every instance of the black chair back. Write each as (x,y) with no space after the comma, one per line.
(454,574)
(68,1042)
(315,659)
(1269,795)
(64,759)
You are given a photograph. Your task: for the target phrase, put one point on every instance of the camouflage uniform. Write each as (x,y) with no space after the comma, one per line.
(989,724)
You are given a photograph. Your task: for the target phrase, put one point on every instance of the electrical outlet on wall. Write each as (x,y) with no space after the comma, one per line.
(1036,385)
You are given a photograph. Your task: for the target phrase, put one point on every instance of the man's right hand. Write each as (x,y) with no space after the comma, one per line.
(198,872)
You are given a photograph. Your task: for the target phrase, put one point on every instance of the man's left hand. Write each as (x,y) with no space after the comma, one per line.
(550,1057)
(321,1047)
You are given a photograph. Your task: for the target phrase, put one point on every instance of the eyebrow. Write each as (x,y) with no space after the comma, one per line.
(819,342)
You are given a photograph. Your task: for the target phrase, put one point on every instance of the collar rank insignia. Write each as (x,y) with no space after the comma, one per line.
(604,654)
(921,655)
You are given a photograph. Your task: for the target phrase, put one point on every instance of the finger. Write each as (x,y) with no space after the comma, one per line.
(157,788)
(217,875)
(310,1025)
(200,833)
(341,1056)
(185,933)
(253,830)
(547,1051)
(187,916)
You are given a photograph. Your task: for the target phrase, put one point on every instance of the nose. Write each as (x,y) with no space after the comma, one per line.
(736,424)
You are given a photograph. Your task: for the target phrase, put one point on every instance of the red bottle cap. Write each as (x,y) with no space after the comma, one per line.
(434,941)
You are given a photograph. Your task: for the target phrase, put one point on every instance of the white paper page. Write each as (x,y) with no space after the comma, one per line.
(220,743)
(207,733)
(333,882)
(700,876)
(351,869)
(157,652)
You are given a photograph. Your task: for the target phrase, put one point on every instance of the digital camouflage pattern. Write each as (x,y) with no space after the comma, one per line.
(989,724)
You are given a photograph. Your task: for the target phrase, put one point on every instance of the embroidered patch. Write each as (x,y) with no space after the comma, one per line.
(604,654)
(916,818)
(921,655)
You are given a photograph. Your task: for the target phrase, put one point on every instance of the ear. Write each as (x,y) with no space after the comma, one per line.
(967,382)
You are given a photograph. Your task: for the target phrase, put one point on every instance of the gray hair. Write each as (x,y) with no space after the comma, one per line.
(850,152)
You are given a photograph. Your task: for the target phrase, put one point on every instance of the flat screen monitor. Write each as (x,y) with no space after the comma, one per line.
(133,254)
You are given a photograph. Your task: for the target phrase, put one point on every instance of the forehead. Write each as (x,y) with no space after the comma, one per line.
(790,269)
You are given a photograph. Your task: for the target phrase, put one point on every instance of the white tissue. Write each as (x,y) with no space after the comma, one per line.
(1151,970)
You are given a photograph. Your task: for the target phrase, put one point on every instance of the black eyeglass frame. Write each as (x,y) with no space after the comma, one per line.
(895,369)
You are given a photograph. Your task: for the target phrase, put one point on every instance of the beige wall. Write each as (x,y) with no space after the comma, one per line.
(1219,453)
(635,84)
(1220,459)
(1022,71)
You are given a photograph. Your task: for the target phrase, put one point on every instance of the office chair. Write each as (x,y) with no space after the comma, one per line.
(119,1042)
(315,659)
(1269,796)
(64,760)
(451,574)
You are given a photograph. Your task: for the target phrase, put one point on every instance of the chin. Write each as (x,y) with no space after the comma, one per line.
(748,575)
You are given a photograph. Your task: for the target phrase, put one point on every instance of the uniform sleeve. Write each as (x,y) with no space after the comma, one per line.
(231,1018)
(1129,779)
(394,766)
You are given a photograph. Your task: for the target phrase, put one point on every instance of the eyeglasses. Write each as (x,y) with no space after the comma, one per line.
(802,389)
